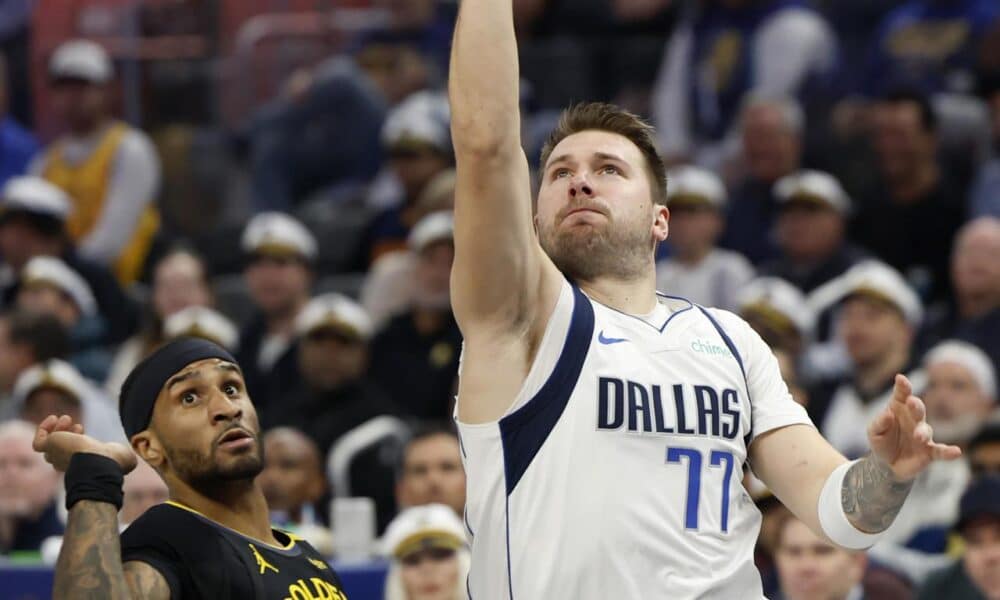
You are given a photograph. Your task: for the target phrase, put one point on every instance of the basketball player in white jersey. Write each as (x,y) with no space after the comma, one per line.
(605,428)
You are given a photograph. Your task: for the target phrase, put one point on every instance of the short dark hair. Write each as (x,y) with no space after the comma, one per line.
(45,225)
(43,334)
(928,118)
(599,116)
(423,431)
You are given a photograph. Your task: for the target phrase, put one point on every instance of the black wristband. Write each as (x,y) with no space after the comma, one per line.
(93,477)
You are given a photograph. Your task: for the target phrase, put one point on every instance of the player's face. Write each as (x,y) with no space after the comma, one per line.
(810,568)
(982,555)
(433,473)
(596,215)
(430,574)
(204,427)
(955,405)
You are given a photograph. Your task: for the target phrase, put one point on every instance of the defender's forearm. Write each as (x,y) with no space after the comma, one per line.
(483,79)
(871,496)
(90,564)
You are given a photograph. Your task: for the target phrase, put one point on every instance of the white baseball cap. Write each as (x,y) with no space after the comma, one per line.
(35,195)
(968,357)
(278,234)
(419,121)
(435,227)
(52,271)
(203,322)
(421,527)
(813,187)
(689,186)
(81,59)
(53,373)
(337,312)
(879,280)
(779,303)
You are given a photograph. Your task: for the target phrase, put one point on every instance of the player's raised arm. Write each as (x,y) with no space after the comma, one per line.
(498,271)
(90,564)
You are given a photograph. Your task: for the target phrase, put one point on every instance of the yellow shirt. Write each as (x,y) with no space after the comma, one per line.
(86,183)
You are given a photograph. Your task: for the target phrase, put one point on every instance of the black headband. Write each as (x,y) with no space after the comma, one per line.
(143,385)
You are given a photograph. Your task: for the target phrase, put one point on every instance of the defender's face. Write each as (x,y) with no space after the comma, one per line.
(595,206)
(205,426)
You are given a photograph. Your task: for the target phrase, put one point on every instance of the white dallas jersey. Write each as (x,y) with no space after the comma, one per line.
(616,472)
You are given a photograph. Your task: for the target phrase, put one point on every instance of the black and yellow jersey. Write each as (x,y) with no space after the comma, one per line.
(200,558)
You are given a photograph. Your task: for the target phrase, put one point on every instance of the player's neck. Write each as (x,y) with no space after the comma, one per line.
(238,505)
(630,296)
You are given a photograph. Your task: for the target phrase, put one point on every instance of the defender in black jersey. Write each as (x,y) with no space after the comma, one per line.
(187,414)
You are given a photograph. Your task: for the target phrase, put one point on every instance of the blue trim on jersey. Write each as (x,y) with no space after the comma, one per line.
(732,348)
(523,432)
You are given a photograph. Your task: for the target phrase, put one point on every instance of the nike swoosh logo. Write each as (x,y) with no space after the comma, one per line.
(608,341)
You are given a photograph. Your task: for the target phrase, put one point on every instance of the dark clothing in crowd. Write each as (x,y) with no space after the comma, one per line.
(17,147)
(418,371)
(951,583)
(29,535)
(326,416)
(916,237)
(809,278)
(266,387)
(751,215)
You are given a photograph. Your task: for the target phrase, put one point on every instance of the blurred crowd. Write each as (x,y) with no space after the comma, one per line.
(834,178)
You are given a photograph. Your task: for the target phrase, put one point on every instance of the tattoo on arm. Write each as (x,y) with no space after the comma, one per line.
(90,565)
(146,582)
(871,496)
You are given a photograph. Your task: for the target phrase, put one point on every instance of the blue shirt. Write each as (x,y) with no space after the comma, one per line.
(17,147)
(929,45)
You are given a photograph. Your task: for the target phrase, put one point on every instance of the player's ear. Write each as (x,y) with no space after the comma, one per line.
(148,447)
(661,220)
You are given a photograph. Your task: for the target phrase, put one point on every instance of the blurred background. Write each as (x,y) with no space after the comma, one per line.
(277,176)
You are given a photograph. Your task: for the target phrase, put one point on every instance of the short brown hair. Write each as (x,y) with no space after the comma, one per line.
(599,116)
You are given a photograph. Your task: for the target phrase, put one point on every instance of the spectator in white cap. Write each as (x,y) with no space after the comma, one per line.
(19,145)
(55,387)
(388,289)
(331,393)
(429,553)
(961,390)
(48,286)
(33,215)
(280,253)
(203,322)
(415,357)
(417,139)
(180,280)
(810,229)
(878,316)
(696,268)
(778,311)
(109,169)
(26,338)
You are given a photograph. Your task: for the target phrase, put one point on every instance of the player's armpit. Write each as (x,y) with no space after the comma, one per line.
(145,582)
(89,565)
(794,462)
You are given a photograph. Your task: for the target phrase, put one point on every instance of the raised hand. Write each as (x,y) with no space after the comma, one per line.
(59,438)
(901,437)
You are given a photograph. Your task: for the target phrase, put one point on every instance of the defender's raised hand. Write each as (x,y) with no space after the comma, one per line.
(59,438)
(901,437)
